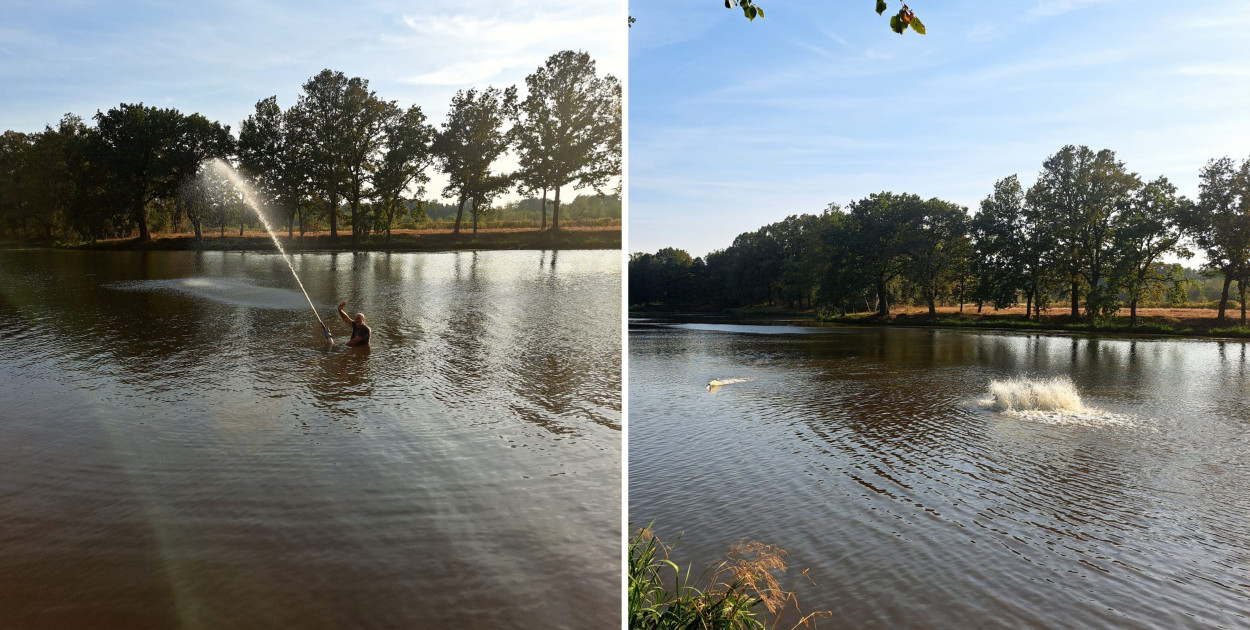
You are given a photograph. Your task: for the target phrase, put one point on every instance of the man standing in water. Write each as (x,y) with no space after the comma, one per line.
(360,332)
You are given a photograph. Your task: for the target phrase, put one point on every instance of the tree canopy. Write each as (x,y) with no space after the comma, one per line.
(1088,229)
(341,155)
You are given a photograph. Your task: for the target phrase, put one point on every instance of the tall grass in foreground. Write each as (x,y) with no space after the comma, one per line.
(732,589)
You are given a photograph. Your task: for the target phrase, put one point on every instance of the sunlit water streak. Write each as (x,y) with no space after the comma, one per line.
(179,449)
(868,455)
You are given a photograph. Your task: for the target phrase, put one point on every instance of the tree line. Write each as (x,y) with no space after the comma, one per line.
(1089,233)
(341,155)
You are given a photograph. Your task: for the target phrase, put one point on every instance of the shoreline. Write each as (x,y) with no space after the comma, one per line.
(1151,326)
(598,237)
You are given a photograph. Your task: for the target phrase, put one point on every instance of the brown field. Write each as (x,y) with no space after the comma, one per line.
(1200,320)
(1152,320)
(571,237)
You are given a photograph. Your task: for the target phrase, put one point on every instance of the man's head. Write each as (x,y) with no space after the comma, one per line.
(360,319)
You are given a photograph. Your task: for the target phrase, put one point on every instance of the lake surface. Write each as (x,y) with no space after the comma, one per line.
(178,448)
(870,455)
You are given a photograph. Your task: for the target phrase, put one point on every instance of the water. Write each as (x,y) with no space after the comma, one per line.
(179,448)
(873,457)
(254,202)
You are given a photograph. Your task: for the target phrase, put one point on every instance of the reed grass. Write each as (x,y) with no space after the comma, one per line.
(739,592)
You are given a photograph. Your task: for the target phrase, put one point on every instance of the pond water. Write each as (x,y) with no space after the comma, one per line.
(178,448)
(875,458)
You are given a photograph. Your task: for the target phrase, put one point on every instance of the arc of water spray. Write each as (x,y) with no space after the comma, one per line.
(249,197)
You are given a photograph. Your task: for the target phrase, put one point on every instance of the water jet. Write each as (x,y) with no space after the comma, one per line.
(250,198)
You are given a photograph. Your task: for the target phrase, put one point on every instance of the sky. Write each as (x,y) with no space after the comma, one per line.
(735,124)
(219,58)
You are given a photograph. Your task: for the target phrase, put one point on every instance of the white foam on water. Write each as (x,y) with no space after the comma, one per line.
(1047,401)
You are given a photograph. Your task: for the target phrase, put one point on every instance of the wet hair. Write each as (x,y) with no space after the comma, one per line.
(360,316)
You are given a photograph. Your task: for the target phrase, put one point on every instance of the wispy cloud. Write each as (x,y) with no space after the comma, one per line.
(472,72)
(495,33)
(985,32)
(1228,70)
(488,44)
(1051,8)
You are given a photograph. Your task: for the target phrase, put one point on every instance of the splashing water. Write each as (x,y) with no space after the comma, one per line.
(1049,401)
(253,201)
(1022,394)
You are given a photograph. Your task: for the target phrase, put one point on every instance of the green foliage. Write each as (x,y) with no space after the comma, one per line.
(339,153)
(568,128)
(900,22)
(749,9)
(409,153)
(1219,223)
(472,138)
(1088,228)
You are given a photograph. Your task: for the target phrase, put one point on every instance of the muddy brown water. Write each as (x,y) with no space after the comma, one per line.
(178,448)
(869,456)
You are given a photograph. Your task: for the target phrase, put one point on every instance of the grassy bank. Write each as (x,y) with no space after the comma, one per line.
(1185,322)
(593,237)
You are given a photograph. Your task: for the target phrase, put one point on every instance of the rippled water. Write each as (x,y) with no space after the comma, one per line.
(179,448)
(870,456)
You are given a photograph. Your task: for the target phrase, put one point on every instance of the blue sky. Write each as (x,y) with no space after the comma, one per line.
(736,124)
(219,58)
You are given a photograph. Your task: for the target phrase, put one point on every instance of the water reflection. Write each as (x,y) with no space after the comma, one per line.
(868,458)
(181,449)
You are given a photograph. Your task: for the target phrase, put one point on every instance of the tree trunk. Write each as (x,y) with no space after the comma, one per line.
(178,222)
(1241,295)
(932,307)
(1076,296)
(141,215)
(334,216)
(195,224)
(1132,313)
(544,211)
(1028,304)
(355,203)
(390,219)
(555,212)
(459,214)
(883,305)
(1228,279)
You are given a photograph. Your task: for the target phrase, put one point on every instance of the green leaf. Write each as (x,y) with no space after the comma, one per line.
(881,7)
(897,25)
(761,11)
(727,4)
(917,26)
